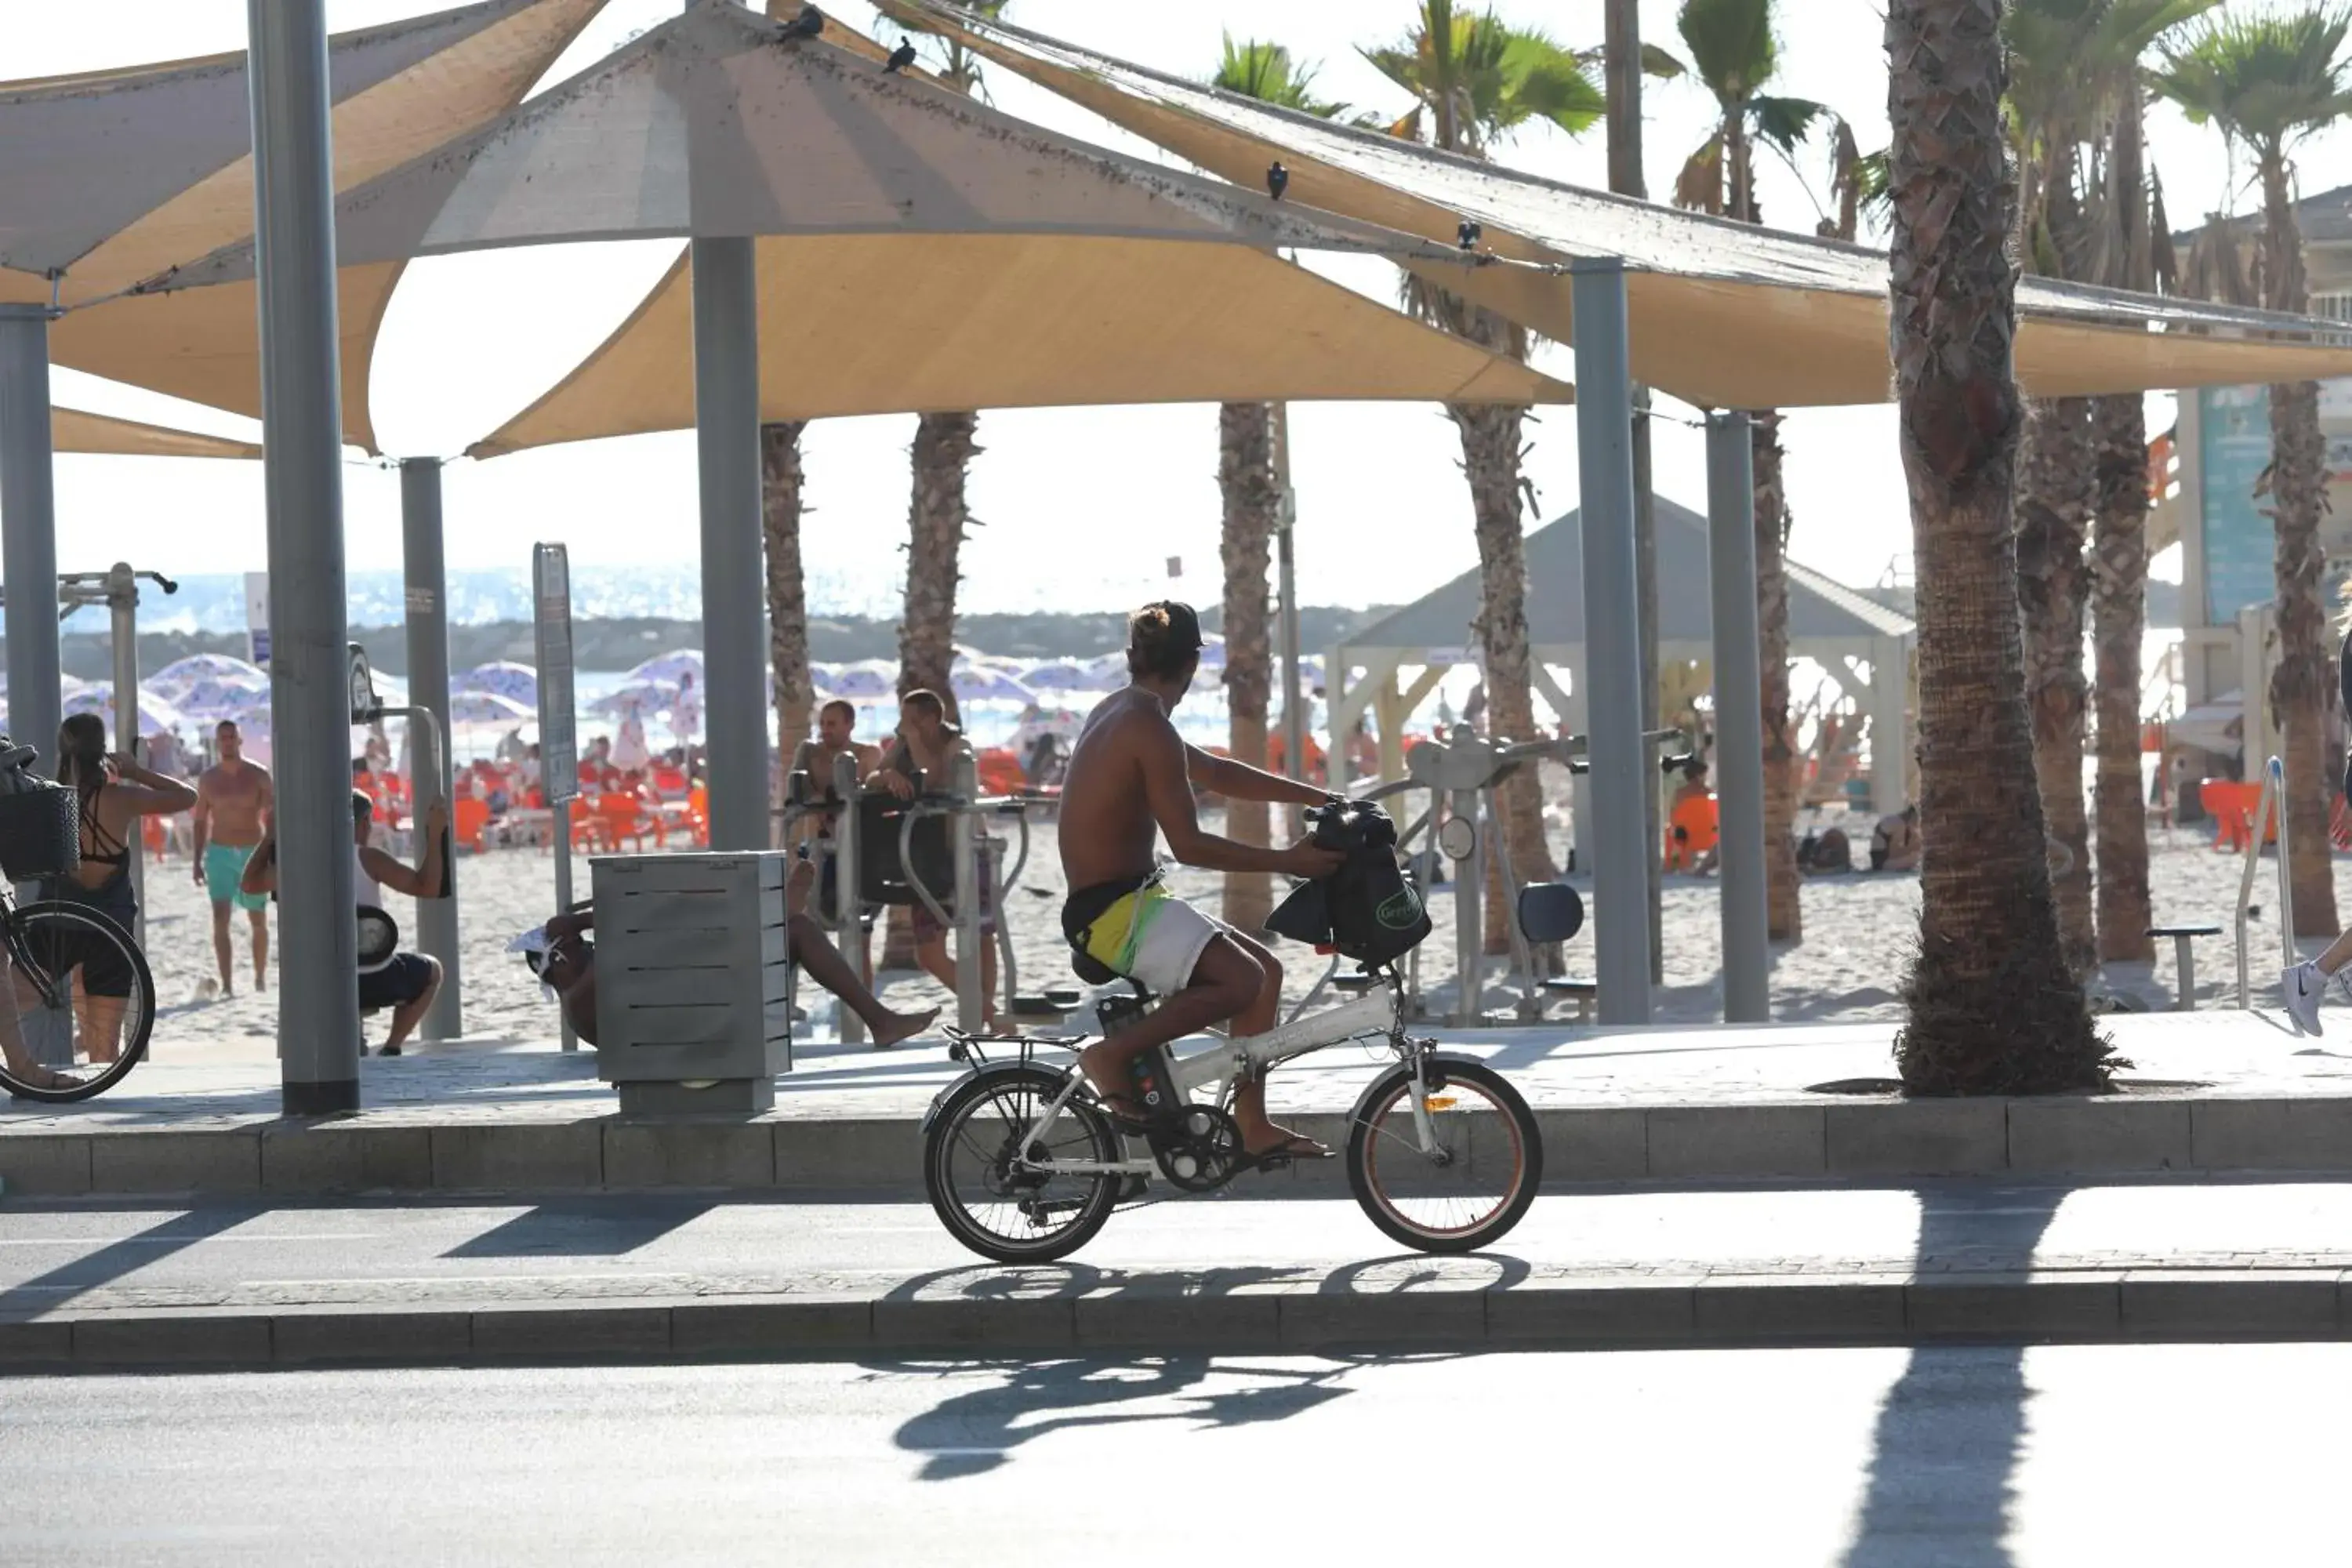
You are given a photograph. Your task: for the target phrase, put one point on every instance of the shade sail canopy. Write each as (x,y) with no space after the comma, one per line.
(1825,616)
(858,324)
(77,430)
(721,122)
(1723,314)
(132,171)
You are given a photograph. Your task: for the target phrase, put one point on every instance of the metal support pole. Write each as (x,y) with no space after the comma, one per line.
(963,843)
(1294,704)
(848,911)
(1613,654)
(428,687)
(560,825)
(302,411)
(1738,719)
(123,620)
(1469,906)
(28,530)
(734,634)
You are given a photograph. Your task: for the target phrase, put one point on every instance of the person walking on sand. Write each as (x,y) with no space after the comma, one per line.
(233,809)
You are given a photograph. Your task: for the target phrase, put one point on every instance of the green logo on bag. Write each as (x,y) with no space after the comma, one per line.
(1399,912)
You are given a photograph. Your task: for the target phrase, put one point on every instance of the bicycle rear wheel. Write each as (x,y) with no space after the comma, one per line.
(1473,1185)
(68,962)
(988,1203)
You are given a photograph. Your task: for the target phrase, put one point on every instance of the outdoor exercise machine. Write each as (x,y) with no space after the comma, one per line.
(2270,805)
(116,588)
(1463,774)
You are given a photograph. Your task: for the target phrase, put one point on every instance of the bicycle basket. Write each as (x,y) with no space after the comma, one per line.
(40,832)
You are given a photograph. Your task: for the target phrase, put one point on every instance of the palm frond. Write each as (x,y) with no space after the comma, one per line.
(1782,122)
(1265,71)
(1732,44)
(2270,78)
(1699,186)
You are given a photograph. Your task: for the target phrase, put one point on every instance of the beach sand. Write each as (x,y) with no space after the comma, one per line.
(1859,930)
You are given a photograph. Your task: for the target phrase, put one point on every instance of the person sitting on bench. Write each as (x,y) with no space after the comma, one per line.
(1130,780)
(568,965)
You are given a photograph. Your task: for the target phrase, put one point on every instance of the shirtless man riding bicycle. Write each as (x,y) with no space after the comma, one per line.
(1130,780)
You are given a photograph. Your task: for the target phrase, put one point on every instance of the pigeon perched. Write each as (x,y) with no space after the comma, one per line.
(1277,180)
(900,57)
(807,25)
(1466,234)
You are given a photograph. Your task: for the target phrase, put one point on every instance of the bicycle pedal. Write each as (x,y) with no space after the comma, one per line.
(1136,1189)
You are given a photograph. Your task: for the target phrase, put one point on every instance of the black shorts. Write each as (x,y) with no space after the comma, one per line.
(397,984)
(105,967)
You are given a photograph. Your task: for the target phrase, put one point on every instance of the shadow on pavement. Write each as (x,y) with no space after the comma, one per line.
(1949,1438)
(974,1431)
(47,1292)
(584,1228)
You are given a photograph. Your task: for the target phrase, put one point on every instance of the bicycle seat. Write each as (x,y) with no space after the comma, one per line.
(1095,972)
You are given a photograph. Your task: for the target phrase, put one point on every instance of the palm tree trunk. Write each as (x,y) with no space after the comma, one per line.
(1245,480)
(1992,1007)
(1490,455)
(1783,913)
(780,522)
(2118,626)
(2054,507)
(2300,687)
(944,448)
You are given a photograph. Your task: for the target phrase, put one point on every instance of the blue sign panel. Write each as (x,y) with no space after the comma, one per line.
(2234,448)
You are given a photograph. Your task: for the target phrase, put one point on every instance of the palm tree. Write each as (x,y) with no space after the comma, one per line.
(1475,80)
(2124,249)
(1734,55)
(1253,502)
(2269,80)
(938,514)
(780,522)
(1992,1007)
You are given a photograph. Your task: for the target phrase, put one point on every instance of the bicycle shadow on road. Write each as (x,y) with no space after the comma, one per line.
(975,1431)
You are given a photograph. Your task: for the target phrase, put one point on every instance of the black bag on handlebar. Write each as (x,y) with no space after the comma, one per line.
(40,822)
(1368,910)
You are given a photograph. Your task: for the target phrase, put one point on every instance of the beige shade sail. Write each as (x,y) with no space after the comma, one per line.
(859,324)
(1723,315)
(721,122)
(177,139)
(77,430)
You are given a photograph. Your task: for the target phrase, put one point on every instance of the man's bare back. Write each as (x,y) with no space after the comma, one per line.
(233,797)
(1108,832)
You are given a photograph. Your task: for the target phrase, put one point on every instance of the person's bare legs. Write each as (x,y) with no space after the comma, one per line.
(816,955)
(2338,954)
(260,919)
(13,1049)
(1226,983)
(408,1014)
(1258,1133)
(101,1026)
(222,956)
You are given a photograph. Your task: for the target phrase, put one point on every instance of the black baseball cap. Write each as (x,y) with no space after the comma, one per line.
(1183,624)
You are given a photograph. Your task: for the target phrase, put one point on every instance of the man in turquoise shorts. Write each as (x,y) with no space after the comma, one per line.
(233,808)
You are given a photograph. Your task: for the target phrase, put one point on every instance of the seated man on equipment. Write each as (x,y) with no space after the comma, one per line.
(410,981)
(1130,779)
(568,964)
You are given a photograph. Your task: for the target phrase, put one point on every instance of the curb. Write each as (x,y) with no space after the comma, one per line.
(2088,1307)
(2073,1135)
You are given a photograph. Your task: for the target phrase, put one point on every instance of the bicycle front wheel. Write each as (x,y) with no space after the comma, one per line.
(85,999)
(1477,1180)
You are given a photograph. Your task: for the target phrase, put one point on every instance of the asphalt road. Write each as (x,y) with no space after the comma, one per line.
(1976,1457)
(148,1256)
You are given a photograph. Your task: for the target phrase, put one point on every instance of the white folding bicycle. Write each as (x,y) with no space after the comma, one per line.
(1024,1162)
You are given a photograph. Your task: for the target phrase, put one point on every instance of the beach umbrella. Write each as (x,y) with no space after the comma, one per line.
(650,696)
(212,697)
(1213,651)
(154,713)
(182,673)
(669,667)
(501,678)
(1107,672)
(485,708)
(1060,675)
(984,683)
(866,680)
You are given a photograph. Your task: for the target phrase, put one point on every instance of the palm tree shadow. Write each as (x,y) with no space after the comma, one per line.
(1949,1438)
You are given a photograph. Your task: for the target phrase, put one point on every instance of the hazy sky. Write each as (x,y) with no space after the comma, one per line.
(469,339)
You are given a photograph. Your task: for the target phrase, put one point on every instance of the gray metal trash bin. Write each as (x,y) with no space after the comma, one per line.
(694,980)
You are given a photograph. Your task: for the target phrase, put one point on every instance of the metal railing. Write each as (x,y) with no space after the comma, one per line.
(2270,805)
